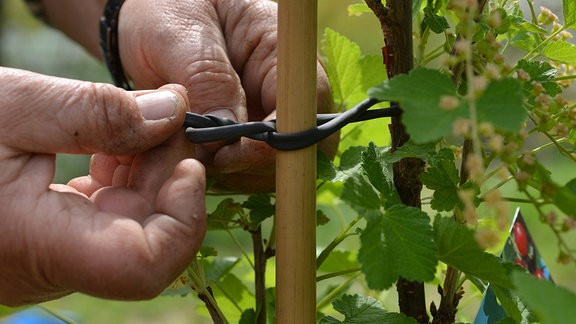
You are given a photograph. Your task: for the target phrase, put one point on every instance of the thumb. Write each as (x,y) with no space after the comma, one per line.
(45,114)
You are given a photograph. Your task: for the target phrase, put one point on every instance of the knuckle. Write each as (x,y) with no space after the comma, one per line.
(103,112)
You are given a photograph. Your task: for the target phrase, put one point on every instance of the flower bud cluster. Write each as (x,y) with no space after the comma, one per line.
(546,16)
(477,58)
(468,199)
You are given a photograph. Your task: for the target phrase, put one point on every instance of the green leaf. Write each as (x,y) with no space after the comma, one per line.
(538,71)
(426,152)
(569,11)
(361,196)
(550,304)
(350,73)
(560,51)
(215,269)
(425,84)
(325,169)
(419,93)
(260,207)
(373,73)
(565,199)
(502,105)
(562,196)
(542,72)
(509,302)
(207,251)
(458,248)
(235,291)
(356,9)
(321,218)
(400,242)
(373,168)
(351,158)
(571,186)
(572,136)
(443,178)
(506,20)
(364,310)
(225,211)
(350,163)
(342,65)
(379,175)
(373,256)
(525,40)
(438,24)
(248,316)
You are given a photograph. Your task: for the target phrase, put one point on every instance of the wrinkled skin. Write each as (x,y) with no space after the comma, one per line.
(225,55)
(131,226)
(123,232)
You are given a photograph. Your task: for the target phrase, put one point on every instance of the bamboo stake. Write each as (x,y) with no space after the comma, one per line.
(296,170)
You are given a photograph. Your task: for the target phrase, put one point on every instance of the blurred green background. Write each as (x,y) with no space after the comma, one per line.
(28,44)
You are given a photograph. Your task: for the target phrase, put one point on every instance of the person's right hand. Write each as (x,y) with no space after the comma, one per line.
(126,230)
(224,53)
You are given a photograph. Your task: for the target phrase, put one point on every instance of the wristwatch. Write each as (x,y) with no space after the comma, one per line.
(109,43)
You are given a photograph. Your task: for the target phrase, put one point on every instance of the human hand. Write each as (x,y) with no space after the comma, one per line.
(224,52)
(123,232)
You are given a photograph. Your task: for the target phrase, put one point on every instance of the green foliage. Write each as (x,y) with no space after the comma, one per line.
(476,121)
(399,242)
(541,72)
(458,248)
(364,310)
(443,178)
(569,11)
(561,51)
(351,74)
(426,120)
(550,304)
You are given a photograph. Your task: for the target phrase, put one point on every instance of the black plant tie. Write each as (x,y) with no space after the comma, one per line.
(208,128)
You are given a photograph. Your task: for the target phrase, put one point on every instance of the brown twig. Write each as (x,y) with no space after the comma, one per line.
(259,275)
(396,22)
(211,309)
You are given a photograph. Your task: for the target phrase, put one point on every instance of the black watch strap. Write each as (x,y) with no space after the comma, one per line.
(109,43)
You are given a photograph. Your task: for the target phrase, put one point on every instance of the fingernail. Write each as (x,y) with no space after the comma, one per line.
(158,104)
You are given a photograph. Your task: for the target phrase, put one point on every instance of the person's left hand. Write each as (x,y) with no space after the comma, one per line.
(128,229)
(224,53)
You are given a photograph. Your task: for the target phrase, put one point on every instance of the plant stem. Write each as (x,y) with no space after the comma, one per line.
(337,274)
(328,298)
(447,311)
(396,22)
(241,248)
(209,301)
(196,274)
(535,51)
(259,275)
(337,240)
